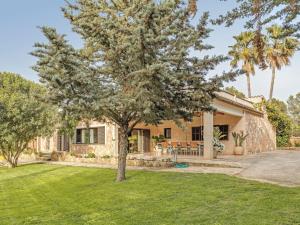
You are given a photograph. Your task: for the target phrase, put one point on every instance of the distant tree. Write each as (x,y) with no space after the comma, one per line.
(23,117)
(244,51)
(280,105)
(236,92)
(294,111)
(279,48)
(135,64)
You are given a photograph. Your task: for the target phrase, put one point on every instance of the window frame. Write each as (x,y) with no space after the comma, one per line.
(166,134)
(198,133)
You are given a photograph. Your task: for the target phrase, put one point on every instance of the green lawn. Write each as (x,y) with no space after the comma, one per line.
(48,194)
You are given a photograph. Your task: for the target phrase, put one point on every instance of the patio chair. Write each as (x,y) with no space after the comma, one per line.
(165,147)
(201,149)
(179,148)
(184,148)
(194,149)
(188,148)
(170,149)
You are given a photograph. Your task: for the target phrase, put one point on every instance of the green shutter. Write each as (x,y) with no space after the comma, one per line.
(101,135)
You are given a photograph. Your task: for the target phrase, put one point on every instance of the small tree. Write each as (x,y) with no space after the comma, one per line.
(294,111)
(135,65)
(23,117)
(232,90)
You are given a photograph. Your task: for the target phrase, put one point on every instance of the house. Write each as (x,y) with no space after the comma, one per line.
(232,114)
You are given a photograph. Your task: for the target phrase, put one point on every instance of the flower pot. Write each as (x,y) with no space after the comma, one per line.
(215,154)
(239,150)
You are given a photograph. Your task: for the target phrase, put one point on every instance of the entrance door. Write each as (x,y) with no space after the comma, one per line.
(146,140)
(142,144)
(63,143)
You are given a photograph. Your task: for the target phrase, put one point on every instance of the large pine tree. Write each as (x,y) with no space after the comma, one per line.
(135,65)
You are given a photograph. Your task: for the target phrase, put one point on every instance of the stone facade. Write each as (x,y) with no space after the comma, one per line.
(234,113)
(110,148)
(261,134)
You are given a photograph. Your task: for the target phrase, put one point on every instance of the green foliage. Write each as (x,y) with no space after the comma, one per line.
(135,64)
(158,139)
(244,52)
(242,138)
(279,47)
(23,116)
(90,155)
(235,136)
(294,108)
(232,90)
(259,13)
(239,138)
(217,136)
(280,120)
(297,144)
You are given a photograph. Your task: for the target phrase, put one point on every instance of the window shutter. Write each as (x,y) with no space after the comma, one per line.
(74,137)
(96,136)
(101,135)
(59,137)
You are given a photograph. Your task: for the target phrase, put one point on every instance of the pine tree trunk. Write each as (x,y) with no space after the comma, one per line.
(249,85)
(122,153)
(272,84)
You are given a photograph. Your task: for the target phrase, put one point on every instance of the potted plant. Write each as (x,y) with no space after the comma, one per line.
(239,139)
(218,146)
(157,140)
(133,143)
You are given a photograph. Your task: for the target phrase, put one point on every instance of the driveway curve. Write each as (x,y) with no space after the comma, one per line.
(281,167)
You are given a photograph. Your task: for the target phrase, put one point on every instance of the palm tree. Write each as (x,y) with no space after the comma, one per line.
(243,50)
(279,48)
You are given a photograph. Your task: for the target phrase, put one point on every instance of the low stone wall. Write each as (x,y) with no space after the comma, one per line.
(131,160)
(295,141)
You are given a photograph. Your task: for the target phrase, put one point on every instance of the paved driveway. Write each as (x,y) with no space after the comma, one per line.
(281,167)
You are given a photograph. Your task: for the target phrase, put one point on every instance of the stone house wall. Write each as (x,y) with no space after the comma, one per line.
(110,148)
(261,134)
(184,133)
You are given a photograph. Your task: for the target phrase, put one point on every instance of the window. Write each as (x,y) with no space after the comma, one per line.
(197,133)
(167,133)
(224,129)
(90,136)
(78,136)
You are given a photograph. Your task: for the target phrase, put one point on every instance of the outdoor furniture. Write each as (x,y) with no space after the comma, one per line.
(194,149)
(165,147)
(188,148)
(184,148)
(179,148)
(200,149)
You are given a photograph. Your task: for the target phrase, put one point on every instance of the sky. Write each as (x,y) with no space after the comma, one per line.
(19,21)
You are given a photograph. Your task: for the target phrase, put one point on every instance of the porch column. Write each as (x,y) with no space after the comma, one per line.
(208,127)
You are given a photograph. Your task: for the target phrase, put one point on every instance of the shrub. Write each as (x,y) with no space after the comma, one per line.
(91,155)
(277,115)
